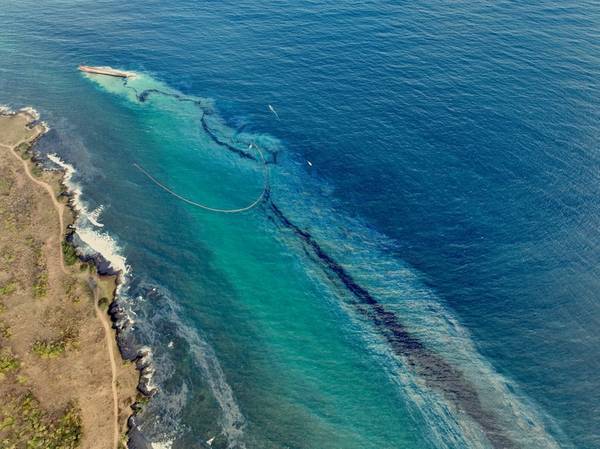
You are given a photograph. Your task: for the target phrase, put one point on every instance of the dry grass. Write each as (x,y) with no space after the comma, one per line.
(25,423)
(55,375)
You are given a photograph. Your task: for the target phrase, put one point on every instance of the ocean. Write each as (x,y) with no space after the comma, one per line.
(419,262)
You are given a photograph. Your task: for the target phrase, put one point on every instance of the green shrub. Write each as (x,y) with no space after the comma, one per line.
(23,146)
(8,362)
(5,185)
(69,253)
(8,255)
(40,286)
(24,149)
(103,303)
(22,379)
(70,285)
(49,349)
(68,431)
(24,424)
(5,330)
(36,170)
(8,288)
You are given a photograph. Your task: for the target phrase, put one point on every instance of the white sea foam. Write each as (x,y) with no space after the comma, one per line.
(94,216)
(162,444)
(45,127)
(172,402)
(73,187)
(35,115)
(148,371)
(95,242)
(31,112)
(233,421)
(104,244)
(4,109)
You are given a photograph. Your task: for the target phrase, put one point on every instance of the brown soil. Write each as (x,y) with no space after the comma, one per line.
(56,344)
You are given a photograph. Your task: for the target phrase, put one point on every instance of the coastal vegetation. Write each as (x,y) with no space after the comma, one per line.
(69,253)
(24,149)
(36,170)
(40,279)
(4,330)
(40,285)
(5,185)
(23,419)
(52,348)
(49,349)
(56,375)
(103,303)
(8,288)
(8,363)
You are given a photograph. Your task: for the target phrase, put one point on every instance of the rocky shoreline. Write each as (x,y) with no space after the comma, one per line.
(141,357)
(104,274)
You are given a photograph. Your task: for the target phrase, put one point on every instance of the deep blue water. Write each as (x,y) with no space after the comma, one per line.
(430,281)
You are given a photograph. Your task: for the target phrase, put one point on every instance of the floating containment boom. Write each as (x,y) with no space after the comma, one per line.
(105,71)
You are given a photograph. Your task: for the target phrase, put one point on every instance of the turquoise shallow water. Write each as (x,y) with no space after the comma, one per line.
(429,281)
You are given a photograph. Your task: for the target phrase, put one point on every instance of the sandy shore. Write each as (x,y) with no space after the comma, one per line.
(62,380)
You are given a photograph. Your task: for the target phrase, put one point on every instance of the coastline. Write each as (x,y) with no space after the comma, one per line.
(129,390)
(112,268)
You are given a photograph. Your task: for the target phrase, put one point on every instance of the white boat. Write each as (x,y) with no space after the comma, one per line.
(105,71)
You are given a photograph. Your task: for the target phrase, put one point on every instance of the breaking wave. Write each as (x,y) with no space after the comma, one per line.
(94,242)
(139,334)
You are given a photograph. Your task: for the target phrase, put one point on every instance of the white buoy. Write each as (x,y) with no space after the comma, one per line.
(273,111)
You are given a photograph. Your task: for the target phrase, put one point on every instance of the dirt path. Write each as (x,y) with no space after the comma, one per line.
(59,207)
(113,365)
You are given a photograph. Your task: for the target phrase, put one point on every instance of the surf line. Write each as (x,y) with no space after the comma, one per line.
(263,194)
